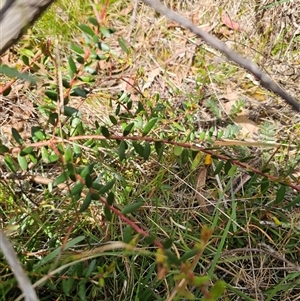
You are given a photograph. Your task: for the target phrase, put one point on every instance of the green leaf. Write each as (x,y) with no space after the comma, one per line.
(121,150)
(95,196)
(264,186)
(25,60)
(128,129)
(7,91)
(217,290)
(27,150)
(148,127)
(147,150)
(280,194)
(53,118)
(70,111)
(196,161)
(184,156)
(13,72)
(90,268)
(123,45)
(61,178)
(77,149)
(58,251)
(77,49)
(79,92)
(88,181)
(88,170)
(232,170)
(77,189)
(107,213)
(103,46)
(72,67)
(33,158)
(127,234)
(132,207)
(68,285)
(10,163)
(38,133)
(53,158)
(86,203)
(22,162)
(139,149)
(72,171)
(104,131)
(178,150)
(149,240)
(118,108)
(110,198)
(45,155)
(218,168)
(82,292)
(227,167)
(189,254)
(172,257)
(167,243)
(201,280)
(51,94)
(68,154)
(88,30)
(159,147)
(93,21)
(107,187)
(105,31)
(113,120)
(17,136)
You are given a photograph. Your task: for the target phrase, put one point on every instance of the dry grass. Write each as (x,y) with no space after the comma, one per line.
(169,61)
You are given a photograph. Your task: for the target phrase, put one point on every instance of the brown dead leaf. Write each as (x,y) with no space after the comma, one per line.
(150,78)
(248,126)
(230,23)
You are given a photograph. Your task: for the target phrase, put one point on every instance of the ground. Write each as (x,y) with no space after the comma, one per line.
(247,192)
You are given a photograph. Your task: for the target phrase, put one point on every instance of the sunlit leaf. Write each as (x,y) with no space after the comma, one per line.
(177,150)
(88,30)
(22,162)
(148,127)
(196,161)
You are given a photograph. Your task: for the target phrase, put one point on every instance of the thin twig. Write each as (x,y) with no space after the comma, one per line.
(24,282)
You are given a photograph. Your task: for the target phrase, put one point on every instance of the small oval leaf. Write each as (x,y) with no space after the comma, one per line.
(128,129)
(147,151)
(132,207)
(86,203)
(22,162)
(148,127)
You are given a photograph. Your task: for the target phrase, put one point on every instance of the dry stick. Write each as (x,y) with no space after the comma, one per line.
(16,267)
(265,80)
(15,16)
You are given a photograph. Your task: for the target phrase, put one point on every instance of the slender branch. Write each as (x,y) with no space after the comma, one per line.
(16,16)
(16,267)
